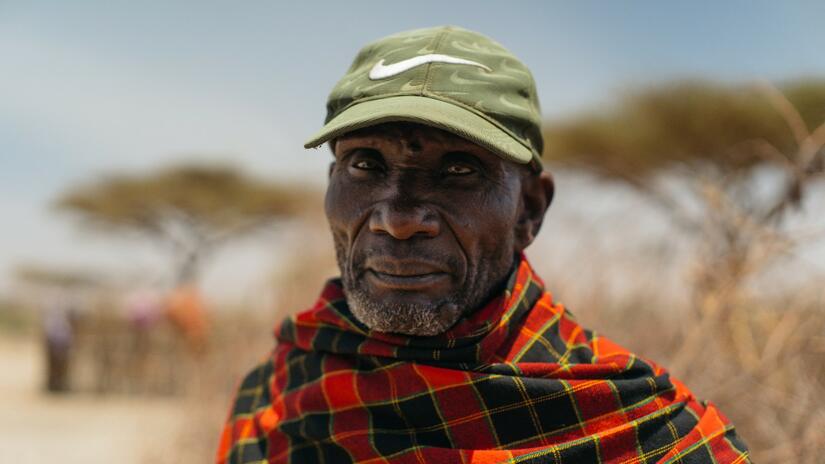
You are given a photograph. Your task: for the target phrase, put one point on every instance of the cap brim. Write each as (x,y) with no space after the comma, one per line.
(430,111)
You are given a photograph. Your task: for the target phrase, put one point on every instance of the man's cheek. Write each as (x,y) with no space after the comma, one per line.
(342,209)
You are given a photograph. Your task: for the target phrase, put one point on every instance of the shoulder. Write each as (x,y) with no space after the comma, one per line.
(241,439)
(253,391)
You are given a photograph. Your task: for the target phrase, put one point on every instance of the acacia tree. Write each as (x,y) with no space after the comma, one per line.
(720,144)
(189,210)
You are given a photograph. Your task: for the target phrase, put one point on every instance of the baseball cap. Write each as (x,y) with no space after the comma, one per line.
(446,77)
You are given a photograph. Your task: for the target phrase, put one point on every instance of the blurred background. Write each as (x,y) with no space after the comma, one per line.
(159,214)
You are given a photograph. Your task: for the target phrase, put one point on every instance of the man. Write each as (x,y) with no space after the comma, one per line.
(439,343)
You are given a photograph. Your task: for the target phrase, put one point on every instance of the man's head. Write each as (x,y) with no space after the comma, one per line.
(436,186)
(426,224)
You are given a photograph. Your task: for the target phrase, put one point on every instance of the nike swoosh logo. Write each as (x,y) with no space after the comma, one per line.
(379,71)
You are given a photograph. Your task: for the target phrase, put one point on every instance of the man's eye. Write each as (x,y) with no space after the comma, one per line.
(366,165)
(459,170)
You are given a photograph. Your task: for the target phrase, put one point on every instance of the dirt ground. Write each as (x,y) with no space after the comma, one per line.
(75,428)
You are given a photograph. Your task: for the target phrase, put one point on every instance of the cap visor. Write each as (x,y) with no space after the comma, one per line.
(430,111)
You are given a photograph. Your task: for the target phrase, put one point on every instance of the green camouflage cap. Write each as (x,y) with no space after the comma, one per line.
(446,77)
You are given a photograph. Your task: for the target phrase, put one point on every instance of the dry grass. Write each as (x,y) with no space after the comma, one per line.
(240,339)
(763,364)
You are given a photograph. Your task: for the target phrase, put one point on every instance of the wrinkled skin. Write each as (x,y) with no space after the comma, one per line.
(427,225)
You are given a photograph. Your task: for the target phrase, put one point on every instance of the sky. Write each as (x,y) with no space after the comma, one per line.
(94,87)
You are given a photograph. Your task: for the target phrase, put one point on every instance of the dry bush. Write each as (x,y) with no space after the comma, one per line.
(240,339)
(763,364)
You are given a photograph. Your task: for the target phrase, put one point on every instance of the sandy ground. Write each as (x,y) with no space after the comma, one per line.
(79,428)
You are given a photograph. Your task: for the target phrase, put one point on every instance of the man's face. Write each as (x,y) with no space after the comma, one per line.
(426,225)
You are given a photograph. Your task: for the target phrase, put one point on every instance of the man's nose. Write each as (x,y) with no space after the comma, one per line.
(403,220)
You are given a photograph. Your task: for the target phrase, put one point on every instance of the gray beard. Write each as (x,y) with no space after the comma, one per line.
(420,319)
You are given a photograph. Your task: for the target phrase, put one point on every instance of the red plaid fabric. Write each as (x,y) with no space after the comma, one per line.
(519,381)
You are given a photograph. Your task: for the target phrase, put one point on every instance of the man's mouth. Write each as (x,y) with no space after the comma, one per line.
(408,281)
(409,275)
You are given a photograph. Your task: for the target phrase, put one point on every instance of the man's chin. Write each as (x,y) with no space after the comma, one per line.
(407,313)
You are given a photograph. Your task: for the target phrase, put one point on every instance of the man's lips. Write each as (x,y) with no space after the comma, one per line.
(407,282)
(405,275)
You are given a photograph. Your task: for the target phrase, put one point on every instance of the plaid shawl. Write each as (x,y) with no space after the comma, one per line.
(518,381)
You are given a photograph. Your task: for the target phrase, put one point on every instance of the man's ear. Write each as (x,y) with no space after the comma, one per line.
(537,194)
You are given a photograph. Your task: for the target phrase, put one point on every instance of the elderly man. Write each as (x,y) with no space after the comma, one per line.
(439,343)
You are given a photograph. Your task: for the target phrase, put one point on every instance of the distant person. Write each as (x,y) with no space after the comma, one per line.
(439,343)
(185,310)
(58,335)
(143,308)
